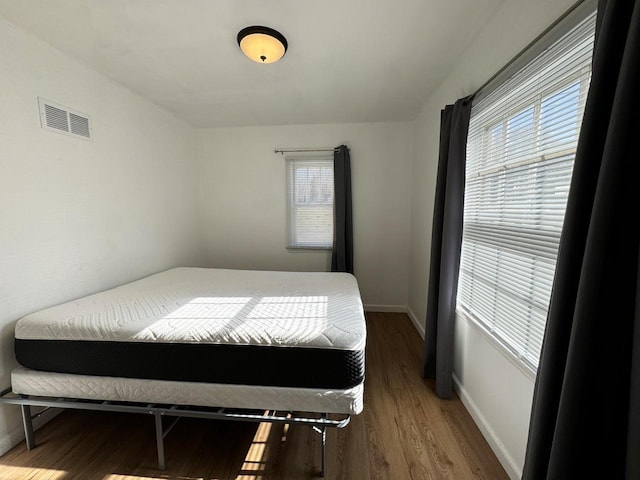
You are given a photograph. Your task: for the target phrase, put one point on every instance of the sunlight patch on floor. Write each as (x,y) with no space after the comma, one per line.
(254,464)
(14,473)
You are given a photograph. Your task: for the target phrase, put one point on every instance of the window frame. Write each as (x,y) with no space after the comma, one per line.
(530,154)
(291,162)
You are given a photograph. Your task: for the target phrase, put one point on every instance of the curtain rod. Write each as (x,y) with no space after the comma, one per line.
(288,150)
(529,47)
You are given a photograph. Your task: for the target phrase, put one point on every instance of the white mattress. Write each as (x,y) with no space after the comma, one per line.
(32,382)
(199,305)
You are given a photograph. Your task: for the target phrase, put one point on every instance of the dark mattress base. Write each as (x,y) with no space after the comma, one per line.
(210,363)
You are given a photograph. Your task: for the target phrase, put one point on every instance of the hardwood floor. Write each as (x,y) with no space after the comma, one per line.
(405,432)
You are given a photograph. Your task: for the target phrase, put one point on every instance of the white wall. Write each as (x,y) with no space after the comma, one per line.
(497,393)
(244,201)
(81,216)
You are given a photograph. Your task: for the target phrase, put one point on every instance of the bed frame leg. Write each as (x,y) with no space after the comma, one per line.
(160,441)
(27,422)
(323,460)
(323,432)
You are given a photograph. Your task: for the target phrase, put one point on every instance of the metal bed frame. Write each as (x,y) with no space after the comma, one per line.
(319,425)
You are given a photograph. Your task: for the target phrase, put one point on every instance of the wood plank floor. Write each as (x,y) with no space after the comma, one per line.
(405,432)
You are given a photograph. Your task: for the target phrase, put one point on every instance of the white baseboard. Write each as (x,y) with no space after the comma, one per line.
(15,436)
(385,308)
(513,470)
(416,323)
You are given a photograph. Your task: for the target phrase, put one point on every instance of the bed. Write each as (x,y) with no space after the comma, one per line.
(180,342)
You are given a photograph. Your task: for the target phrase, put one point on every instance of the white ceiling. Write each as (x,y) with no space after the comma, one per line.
(348,60)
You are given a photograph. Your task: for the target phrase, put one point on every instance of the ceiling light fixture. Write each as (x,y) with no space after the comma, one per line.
(262,44)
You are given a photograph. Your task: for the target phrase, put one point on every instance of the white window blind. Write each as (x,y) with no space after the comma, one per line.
(520,152)
(310,199)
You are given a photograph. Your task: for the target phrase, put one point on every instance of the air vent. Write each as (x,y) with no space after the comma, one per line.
(79,125)
(56,118)
(60,119)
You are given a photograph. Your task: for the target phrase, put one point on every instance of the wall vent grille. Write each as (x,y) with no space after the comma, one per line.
(61,119)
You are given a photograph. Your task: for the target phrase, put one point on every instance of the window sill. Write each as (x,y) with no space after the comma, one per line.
(307,247)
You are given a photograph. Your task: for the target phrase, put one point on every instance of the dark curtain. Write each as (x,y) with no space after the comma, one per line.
(342,256)
(446,242)
(585,421)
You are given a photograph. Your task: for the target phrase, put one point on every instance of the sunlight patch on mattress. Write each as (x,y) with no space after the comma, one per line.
(198,319)
(243,320)
(290,318)
(291,307)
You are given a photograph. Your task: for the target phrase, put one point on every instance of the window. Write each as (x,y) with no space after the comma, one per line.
(520,152)
(310,198)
